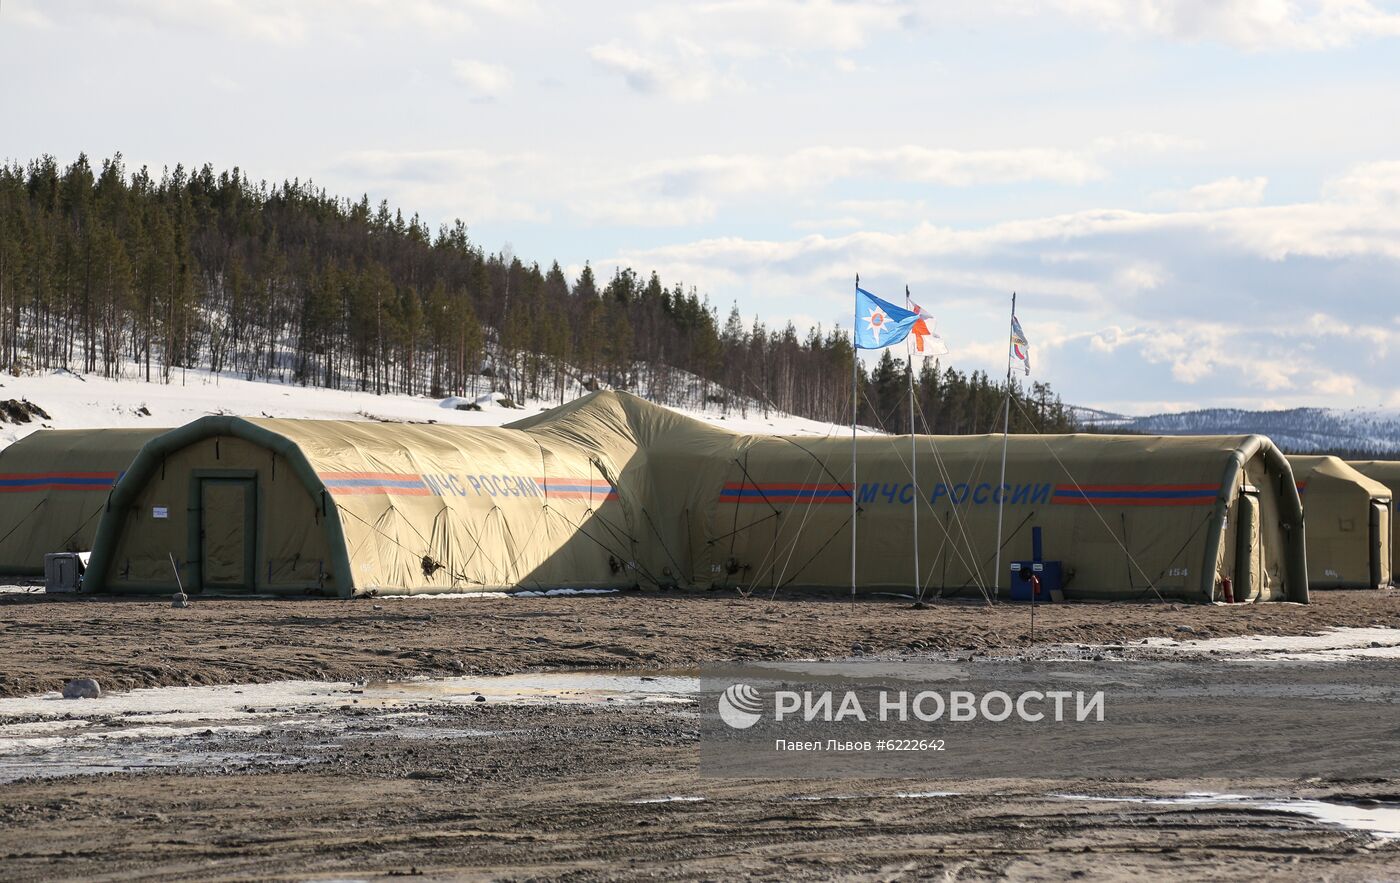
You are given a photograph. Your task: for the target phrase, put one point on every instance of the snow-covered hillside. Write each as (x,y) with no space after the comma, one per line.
(87,402)
(1296,429)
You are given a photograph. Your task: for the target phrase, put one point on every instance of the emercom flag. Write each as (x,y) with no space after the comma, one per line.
(928,343)
(880,323)
(1020,347)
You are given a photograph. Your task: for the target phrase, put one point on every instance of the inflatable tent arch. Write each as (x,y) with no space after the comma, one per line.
(150,526)
(54,485)
(347,508)
(1349,530)
(1387,472)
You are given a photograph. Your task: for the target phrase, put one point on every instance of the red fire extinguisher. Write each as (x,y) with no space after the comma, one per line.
(1228,587)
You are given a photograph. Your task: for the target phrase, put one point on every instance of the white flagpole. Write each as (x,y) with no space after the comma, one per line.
(855,398)
(1005,428)
(913,452)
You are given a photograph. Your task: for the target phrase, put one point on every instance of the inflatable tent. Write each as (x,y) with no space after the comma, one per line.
(612,491)
(1387,472)
(1348,519)
(345,508)
(53,488)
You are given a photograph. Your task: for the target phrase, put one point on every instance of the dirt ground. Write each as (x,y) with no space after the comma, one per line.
(581,794)
(607,790)
(47,640)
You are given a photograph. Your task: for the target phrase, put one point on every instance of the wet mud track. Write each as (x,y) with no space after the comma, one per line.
(611,789)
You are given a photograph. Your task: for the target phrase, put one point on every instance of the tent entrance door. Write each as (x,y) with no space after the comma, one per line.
(1248,566)
(227,527)
(1377,526)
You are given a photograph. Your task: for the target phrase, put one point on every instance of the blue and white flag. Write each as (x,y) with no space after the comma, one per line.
(880,323)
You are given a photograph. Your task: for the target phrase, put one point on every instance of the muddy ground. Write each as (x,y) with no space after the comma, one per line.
(46,640)
(520,792)
(523,793)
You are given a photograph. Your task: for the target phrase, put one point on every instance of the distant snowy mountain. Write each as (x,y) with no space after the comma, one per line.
(1296,430)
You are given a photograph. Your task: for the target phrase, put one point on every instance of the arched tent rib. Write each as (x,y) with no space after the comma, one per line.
(1295,550)
(153,455)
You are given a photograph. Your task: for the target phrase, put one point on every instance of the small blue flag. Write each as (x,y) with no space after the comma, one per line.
(880,323)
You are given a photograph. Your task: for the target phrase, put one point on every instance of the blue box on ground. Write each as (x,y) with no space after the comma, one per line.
(1051,575)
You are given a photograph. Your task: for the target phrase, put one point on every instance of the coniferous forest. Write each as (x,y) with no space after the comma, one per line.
(121,273)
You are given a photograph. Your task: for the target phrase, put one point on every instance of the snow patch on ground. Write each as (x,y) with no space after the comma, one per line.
(1381,821)
(1338,644)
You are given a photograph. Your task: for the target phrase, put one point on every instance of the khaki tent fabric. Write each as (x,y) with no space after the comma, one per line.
(612,491)
(53,487)
(1348,524)
(1387,472)
(1130,517)
(347,508)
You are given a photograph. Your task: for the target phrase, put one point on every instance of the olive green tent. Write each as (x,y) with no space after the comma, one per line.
(1387,472)
(53,487)
(611,491)
(343,508)
(1348,518)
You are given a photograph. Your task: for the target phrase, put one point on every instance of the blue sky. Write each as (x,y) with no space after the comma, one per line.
(1198,201)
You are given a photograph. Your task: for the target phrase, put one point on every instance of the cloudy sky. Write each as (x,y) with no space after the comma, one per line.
(1198,201)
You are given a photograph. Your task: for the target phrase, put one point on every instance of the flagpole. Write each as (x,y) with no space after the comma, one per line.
(913,453)
(1005,429)
(855,399)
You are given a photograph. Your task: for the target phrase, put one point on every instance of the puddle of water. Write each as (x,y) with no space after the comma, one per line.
(1338,644)
(669,800)
(1381,821)
(921,795)
(17,745)
(479,596)
(128,759)
(561,688)
(227,702)
(186,726)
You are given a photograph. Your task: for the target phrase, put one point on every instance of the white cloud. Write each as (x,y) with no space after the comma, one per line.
(612,208)
(280,22)
(683,74)
(751,28)
(1224,193)
(691,190)
(474,185)
(1139,143)
(26,13)
(826,224)
(1246,24)
(485,79)
(812,168)
(1376,183)
(907,210)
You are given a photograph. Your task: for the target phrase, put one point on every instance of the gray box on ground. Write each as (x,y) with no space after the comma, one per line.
(63,571)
